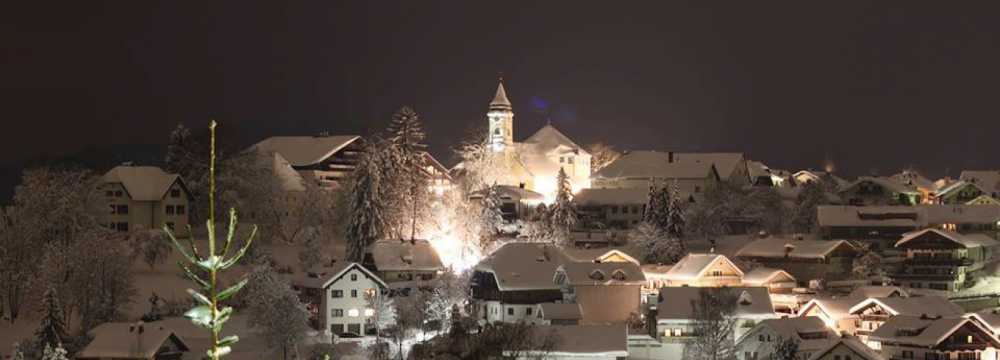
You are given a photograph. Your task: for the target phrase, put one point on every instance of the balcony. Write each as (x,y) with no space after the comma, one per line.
(938,261)
(944,277)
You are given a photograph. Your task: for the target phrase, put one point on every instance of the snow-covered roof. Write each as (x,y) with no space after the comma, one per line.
(887,183)
(862,351)
(509,192)
(524,266)
(835,308)
(986,179)
(143,183)
(914,178)
(305,150)
(548,138)
(965,240)
(872,291)
(989,318)
(887,216)
(956,186)
(775,247)
(763,275)
(500,101)
(914,305)
(561,311)
(612,196)
(725,163)
(598,254)
(320,278)
(926,331)
(121,340)
(583,341)
(655,164)
(693,266)
(291,180)
(607,273)
(405,255)
(804,330)
(675,303)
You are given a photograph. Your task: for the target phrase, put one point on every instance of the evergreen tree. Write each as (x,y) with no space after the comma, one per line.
(54,353)
(52,330)
(649,211)
(675,213)
(810,197)
(311,253)
(563,213)
(368,214)
(406,135)
(490,216)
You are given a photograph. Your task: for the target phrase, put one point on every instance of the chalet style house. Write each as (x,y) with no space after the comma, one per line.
(933,338)
(339,298)
(868,190)
(941,259)
(323,159)
(704,270)
(607,292)
(515,202)
(959,193)
(616,208)
(635,169)
(403,264)
(889,223)
(144,197)
(134,341)
(509,285)
(846,348)
(987,180)
(805,260)
(675,319)
(810,332)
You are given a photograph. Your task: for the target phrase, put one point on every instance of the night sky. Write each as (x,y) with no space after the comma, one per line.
(875,86)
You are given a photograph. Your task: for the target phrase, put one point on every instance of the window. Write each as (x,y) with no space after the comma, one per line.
(907,354)
(354,293)
(614,209)
(353,313)
(369,312)
(121,209)
(170,210)
(338,293)
(175,193)
(510,311)
(354,277)
(527,311)
(569,160)
(677,332)
(180,209)
(337,313)
(760,337)
(968,339)
(716,272)
(697,189)
(122,226)
(562,160)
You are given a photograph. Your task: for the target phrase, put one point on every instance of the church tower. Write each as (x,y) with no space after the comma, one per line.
(501,118)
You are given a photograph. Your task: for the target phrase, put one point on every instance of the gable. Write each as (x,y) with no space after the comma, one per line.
(357,269)
(969,333)
(930,240)
(721,266)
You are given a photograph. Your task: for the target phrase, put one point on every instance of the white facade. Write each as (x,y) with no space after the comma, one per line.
(511,313)
(344,307)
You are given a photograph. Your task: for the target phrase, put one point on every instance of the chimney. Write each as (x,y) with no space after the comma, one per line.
(670,156)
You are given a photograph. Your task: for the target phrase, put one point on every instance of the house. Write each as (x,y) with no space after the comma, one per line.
(846,348)
(835,312)
(144,197)
(802,177)
(558,314)
(134,341)
(618,208)
(988,180)
(576,342)
(935,338)
(988,318)
(891,222)
(805,260)
(515,202)
(508,285)
(438,176)
(708,270)
(607,292)
(811,334)
(779,283)
(635,169)
(675,313)
(872,313)
(959,193)
(324,159)
(942,259)
(762,175)
(983,200)
(403,264)
(656,278)
(869,190)
(871,291)
(599,255)
(340,298)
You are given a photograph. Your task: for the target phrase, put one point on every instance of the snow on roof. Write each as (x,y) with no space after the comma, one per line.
(500,101)
(915,305)
(606,341)
(907,216)
(548,138)
(925,331)
(987,179)
(694,265)
(143,183)
(961,214)
(320,278)
(957,185)
(774,247)
(801,329)
(989,317)
(913,178)
(675,303)
(607,273)
(967,240)
(763,275)
(290,179)
(655,164)
(511,192)
(524,266)
(657,270)
(613,196)
(598,254)
(863,351)
(405,255)
(561,311)
(864,292)
(835,308)
(305,150)
(888,183)
(124,341)
(725,163)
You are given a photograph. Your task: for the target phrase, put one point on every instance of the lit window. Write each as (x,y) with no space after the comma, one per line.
(569,160)
(353,313)
(677,332)
(337,293)
(968,339)
(369,312)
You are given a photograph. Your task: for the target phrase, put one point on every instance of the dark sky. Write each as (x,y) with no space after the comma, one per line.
(874,85)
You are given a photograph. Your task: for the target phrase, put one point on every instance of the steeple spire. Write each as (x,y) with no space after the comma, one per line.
(500,101)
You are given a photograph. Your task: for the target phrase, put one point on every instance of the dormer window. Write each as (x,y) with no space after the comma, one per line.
(597,275)
(745,299)
(618,275)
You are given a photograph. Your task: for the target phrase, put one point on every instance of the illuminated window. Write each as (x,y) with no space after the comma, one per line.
(353,313)
(677,332)
(968,339)
(369,312)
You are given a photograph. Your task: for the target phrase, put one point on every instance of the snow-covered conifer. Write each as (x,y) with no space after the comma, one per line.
(563,212)
(368,213)
(52,329)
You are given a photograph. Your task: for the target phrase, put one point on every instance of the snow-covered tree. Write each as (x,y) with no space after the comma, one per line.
(481,166)
(52,329)
(410,317)
(490,216)
(649,212)
(810,197)
(656,246)
(368,221)
(151,246)
(868,263)
(274,309)
(54,353)
(384,319)
(97,276)
(786,348)
(410,180)
(714,325)
(675,212)
(16,353)
(311,253)
(601,155)
(563,213)
(449,289)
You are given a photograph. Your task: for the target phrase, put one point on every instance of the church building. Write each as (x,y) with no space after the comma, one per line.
(535,162)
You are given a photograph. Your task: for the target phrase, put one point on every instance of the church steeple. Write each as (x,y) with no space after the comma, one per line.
(501,120)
